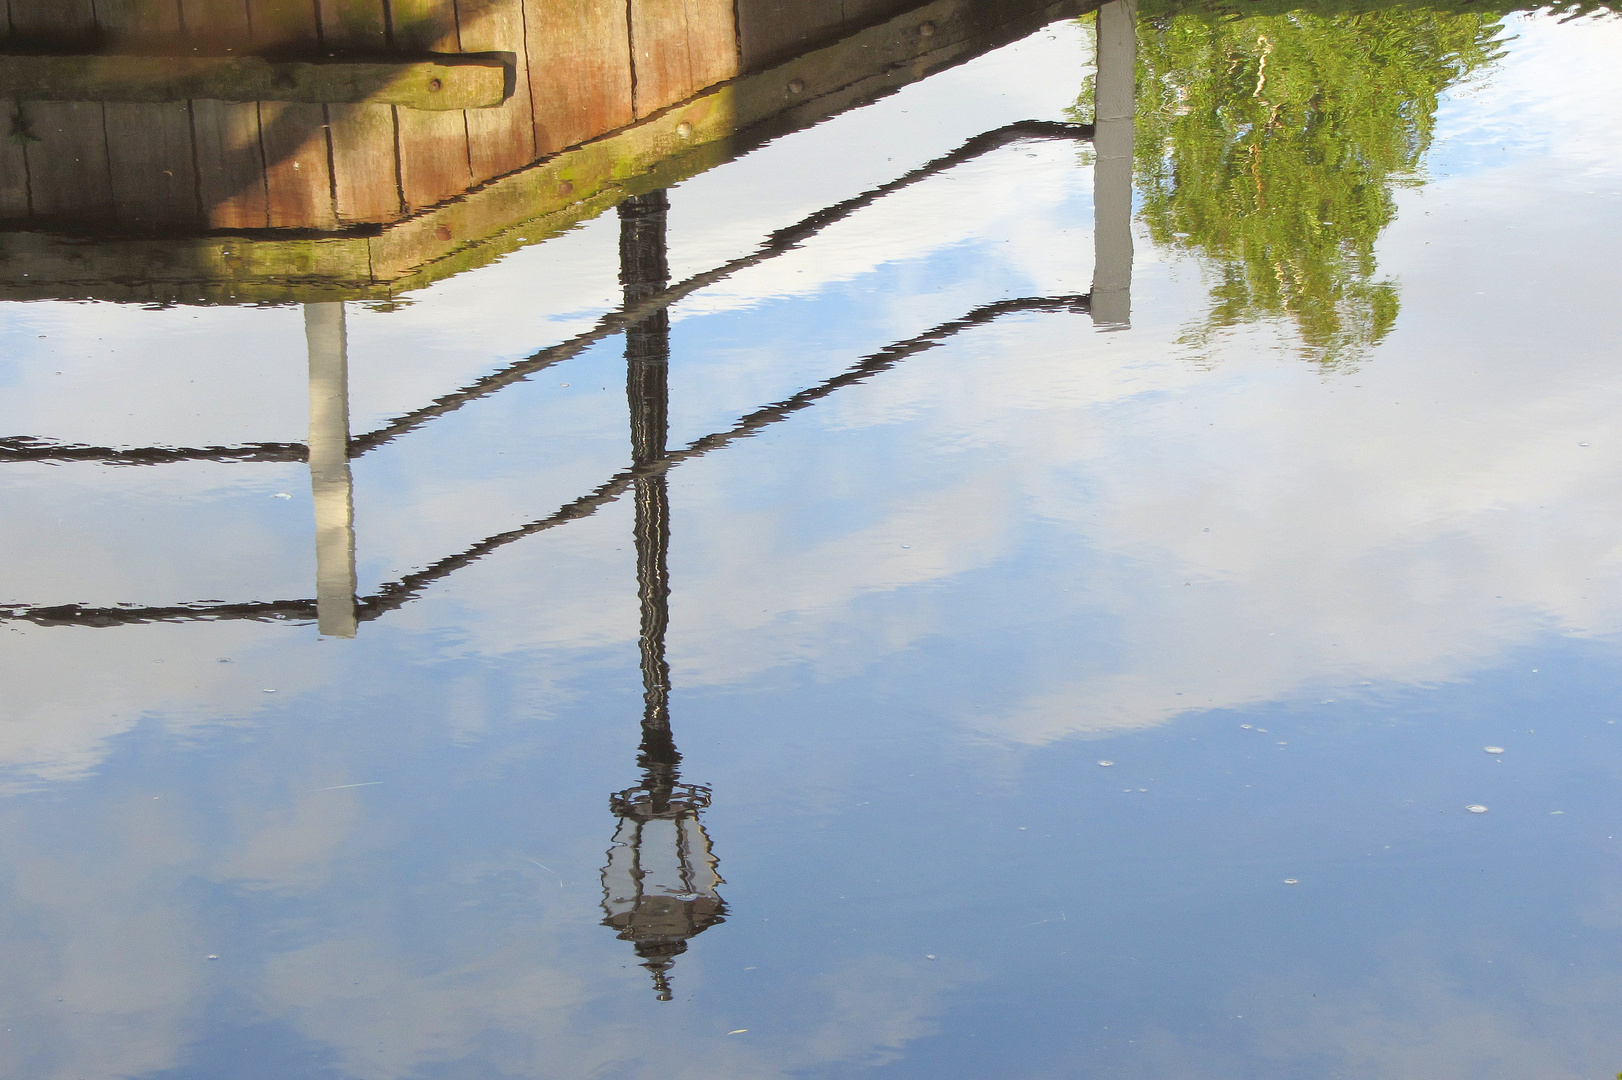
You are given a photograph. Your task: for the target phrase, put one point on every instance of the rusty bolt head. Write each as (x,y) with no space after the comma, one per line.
(565,188)
(443,232)
(795,86)
(927,30)
(684,130)
(435,86)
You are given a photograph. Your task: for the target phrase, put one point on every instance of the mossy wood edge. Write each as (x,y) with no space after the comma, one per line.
(534,203)
(436,83)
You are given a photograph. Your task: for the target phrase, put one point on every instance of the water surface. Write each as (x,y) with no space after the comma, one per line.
(1337,510)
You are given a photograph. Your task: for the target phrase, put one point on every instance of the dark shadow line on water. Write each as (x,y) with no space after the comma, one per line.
(26,448)
(399,593)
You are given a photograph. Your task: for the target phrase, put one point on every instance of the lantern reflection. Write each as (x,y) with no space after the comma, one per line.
(660,881)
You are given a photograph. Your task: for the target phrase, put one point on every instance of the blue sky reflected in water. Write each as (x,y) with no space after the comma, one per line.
(1290,605)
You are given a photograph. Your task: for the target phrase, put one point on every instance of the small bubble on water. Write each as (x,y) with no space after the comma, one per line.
(282,495)
(1245,726)
(1493,749)
(1292,881)
(1476,808)
(1106,764)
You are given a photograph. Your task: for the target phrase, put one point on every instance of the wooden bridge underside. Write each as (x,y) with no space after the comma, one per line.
(216,201)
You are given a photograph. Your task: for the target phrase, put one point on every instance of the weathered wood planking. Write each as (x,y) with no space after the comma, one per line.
(365,162)
(225,134)
(67,161)
(679,47)
(500,139)
(149,146)
(67,167)
(216,25)
(433,146)
(64,23)
(579,70)
(859,13)
(128,25)
(774,30)
(534,203)
(13,160)
(298,177)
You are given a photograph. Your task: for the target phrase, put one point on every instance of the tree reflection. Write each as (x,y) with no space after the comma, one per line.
(1269,146)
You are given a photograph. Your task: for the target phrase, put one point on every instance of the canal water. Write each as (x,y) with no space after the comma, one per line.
(914,667)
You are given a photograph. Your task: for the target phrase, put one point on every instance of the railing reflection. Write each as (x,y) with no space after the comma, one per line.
(644,311)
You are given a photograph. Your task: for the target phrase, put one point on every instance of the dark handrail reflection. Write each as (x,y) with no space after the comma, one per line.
(398,593)
(784,240)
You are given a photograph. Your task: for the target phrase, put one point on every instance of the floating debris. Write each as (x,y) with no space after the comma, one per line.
(1493,749)
(1106,764)
(282,495)
(1246,727)
(213,956)
(929,956)
(1476,808)
(1292,881)
(739,1031)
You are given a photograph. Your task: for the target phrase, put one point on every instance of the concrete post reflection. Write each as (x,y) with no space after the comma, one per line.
(330,480)
(1114,102)
(659,887)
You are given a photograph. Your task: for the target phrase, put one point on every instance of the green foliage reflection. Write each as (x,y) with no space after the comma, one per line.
(1269,146)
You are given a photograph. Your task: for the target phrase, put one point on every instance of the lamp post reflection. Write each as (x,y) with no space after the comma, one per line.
(660,881)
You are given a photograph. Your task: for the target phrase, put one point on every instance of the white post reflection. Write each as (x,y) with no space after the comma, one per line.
(330,481)
(1114,103)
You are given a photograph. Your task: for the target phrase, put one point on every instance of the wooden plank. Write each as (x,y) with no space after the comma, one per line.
(149,146)
(354,25)
(448,84)
(579,70)
(366,179)
(283,23)
(860,13)
(13,162)
(230,165)
(67,167)
(433,146)
(365,160)
(59,23)
(14,132)
(127,24)
(225,135)
(680,47)
(298,180)
(770,31)
(149,153)
(216,25)
(500,139)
